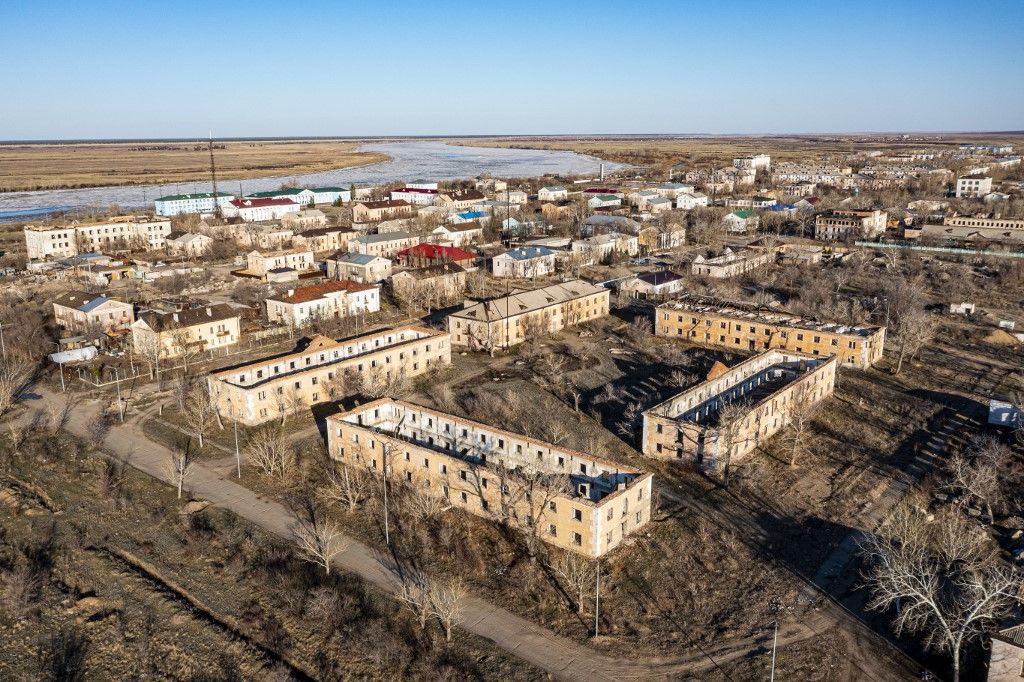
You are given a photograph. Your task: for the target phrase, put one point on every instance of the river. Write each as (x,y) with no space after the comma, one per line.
(409,161)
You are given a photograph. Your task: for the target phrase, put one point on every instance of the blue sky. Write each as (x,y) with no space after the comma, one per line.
(135,69)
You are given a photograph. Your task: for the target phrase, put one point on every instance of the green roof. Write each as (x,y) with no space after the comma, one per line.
(198,195)
(292,191)
(329,189)
(743,214)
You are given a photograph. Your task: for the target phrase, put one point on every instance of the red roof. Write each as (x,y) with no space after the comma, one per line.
(306,294)
(600,190)
(812,200)
(437,252)
(255,203)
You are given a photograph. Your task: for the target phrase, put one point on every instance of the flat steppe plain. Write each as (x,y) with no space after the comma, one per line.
(25,167)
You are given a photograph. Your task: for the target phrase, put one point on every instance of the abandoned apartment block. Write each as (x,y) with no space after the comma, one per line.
(735,327)
(323,369)
(560,496)
(719,421)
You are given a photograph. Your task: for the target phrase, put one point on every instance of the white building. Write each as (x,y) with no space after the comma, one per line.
(528,261)
(43,242)
(417,196)
(178,204)
(604,201)
(307,196)
(256,210)
(552,194)
(673,189)
(387,245)
(190,245)
(973,186)
(756,162)
(259,264)
(739,222)
(459,235)
(690,200)
(327,300)
(602,247)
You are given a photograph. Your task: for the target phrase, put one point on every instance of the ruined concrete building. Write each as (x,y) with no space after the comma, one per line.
(719,421)
(560,496)
(742,328)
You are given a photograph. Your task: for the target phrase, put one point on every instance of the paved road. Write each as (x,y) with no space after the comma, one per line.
(563,658)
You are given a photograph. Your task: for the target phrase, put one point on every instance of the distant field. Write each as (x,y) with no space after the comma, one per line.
(663,152)
(50,166)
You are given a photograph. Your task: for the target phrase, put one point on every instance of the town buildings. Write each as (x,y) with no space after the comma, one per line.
(261,264)
(742,328)
(387,245)
(188,245)
(256,210)
(766,390)
(1006,661)
(125,232)
(458,235)
(602,248)
(79,312)
(433,286)
(305,219)
(323,369)
(526,261)
(523,315)
(358,267)
(202,202)
(995,222)
(326,300)
(307,196)
(322,239)
(375,211)
(653,285)
(690,200)
(563,497)
(973,186)
(417,196)
(732,263)
(458,201)
(741,222)
(422,255)
(157,335)
(598,201)
(755,162)
(553,193)
(841,225)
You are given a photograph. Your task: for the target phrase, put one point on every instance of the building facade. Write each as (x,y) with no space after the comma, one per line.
(375,211)
(973,186)
(387,245)
(566,498)
(169,335)
(513,319)
(323,369)
(767,388)
(256,210)
(748,329)
(203,202)
(79,312)
(850,224)
(259,264)
(731,263)
(358,267)
(327,300)
(135,233)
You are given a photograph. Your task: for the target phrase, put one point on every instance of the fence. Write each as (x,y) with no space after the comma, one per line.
(903,246)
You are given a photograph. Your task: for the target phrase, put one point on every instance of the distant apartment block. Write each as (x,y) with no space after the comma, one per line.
(566,498)
(553,193)
(327,300)
(994,223)
(418,196)
(513,319)
(973,186)
(733,327)
(732,263)
(256,210)
(256,392)
(203,202)
(757,162)
(694,426)
(387,245)
(138,233)
(307,196)
(850,224)
(358,267)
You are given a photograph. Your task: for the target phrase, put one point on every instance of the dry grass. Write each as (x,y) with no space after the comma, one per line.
(52,166)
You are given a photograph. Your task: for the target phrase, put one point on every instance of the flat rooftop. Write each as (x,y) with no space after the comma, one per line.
(763,316)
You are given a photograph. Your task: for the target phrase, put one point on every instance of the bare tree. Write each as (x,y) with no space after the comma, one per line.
(730,431)
(909,323)
(579,574)
(179,466)
(317,536)
(268,450)
(801,414)
(415,594)
(16,371)
(348,485)
(447,597)
(978,473)
(942,576)
(198,410)
(421,503)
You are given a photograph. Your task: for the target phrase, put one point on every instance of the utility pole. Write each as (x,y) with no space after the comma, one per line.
(238,454)
(117,382)
(775,643)
(597,600)
(63,388)
(3,346)
(213,176)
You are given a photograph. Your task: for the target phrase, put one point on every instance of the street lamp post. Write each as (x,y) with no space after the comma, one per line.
(117,382)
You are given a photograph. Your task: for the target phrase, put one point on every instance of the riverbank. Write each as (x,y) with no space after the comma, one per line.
(35,167)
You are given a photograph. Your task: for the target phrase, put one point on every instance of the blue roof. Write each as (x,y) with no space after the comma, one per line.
(472,215)
(93,304)
(357,258)
(781,207)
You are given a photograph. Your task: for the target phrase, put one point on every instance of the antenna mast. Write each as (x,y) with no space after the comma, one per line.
(213,176)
